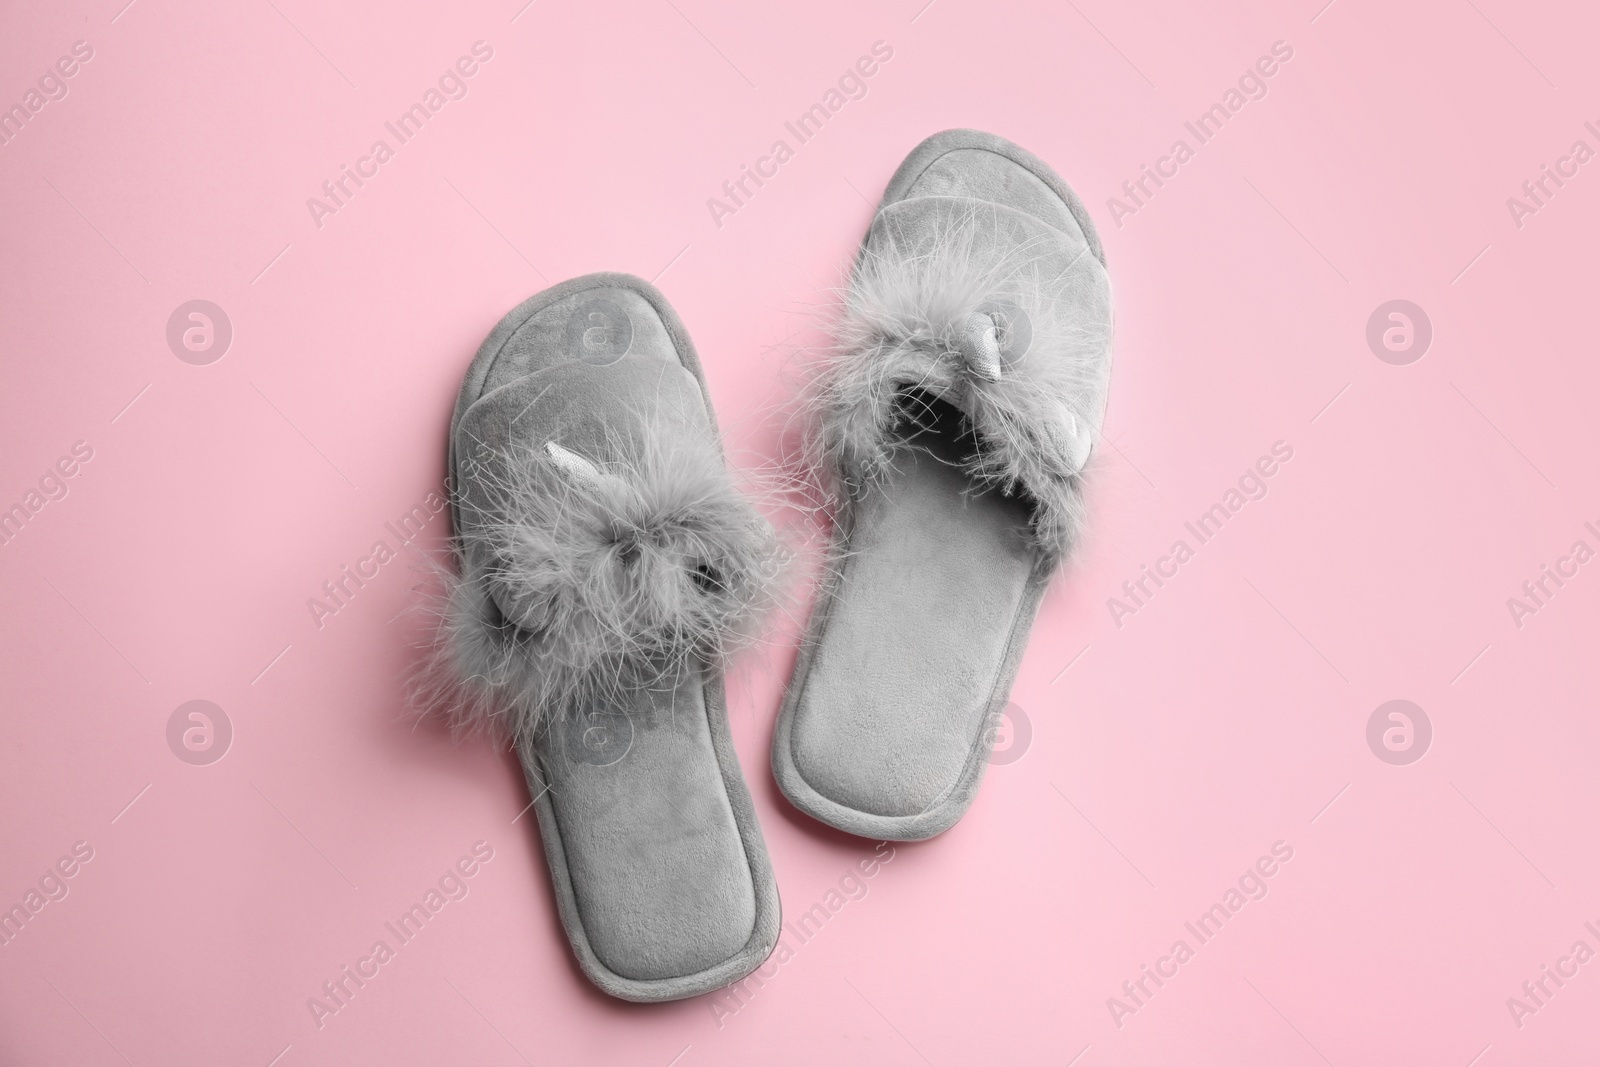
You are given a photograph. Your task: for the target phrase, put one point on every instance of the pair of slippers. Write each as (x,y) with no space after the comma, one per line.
(608,568)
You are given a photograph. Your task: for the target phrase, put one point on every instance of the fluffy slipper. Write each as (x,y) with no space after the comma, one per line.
(956,414)
(607,568)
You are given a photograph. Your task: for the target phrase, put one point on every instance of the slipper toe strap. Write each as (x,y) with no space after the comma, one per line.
(988,311)
(605,575)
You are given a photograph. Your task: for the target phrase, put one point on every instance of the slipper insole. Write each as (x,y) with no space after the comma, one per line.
(657,864)
(936,576)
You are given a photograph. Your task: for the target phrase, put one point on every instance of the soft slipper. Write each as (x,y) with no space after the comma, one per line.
(607,568)
(963,396)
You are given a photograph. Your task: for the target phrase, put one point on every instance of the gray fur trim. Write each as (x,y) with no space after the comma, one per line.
(576,589)
(907,324)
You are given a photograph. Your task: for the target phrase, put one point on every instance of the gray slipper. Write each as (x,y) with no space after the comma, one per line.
(961,403)
(607,568)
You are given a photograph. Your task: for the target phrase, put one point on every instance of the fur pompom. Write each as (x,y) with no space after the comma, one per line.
(917,318)
(585,580)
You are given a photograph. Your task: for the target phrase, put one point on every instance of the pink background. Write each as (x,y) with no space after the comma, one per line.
(1168,753)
